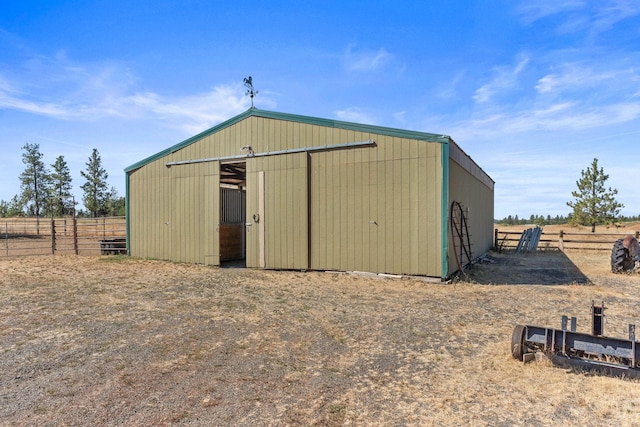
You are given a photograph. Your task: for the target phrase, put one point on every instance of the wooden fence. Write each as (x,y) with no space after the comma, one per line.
(43,236)
(508,240)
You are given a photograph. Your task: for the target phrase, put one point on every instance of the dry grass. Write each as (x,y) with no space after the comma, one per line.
(111,340)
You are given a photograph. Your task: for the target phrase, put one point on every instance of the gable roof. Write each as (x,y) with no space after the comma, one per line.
(254,112)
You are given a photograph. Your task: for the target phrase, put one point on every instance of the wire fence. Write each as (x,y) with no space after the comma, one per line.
(46,236)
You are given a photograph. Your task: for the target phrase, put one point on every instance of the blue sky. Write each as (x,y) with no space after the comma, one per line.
(531,90)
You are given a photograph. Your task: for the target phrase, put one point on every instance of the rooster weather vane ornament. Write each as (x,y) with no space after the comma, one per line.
(250,90)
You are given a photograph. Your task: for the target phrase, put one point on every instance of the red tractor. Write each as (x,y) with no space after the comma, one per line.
(625,256)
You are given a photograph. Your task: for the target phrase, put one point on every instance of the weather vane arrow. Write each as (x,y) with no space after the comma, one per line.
(248,82)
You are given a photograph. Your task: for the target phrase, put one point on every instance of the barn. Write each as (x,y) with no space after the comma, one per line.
(285,191)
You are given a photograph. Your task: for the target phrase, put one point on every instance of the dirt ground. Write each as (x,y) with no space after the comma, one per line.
(121,341)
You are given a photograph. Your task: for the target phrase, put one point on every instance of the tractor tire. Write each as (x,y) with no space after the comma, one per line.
(517,342)
(620,259)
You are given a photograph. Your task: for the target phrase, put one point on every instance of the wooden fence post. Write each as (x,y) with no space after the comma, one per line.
(75,235)
(637,235)
(53,237)
(561,241)
(495,238)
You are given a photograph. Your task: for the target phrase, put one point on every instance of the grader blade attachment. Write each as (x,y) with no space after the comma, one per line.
(567,347)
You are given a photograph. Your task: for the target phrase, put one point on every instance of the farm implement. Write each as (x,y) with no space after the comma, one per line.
(566,347)
(625,255)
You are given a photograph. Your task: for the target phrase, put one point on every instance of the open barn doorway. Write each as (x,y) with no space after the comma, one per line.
(233,206)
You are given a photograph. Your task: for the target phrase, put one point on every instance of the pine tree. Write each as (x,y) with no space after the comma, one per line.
(61,188)
(115,205)
(594,204)
(34,180)
(95,188)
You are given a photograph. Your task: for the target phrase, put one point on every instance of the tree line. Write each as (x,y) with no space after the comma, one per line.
(542,220)
(594,204)
(47,192)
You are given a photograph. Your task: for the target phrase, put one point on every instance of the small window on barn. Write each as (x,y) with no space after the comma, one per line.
(233,205)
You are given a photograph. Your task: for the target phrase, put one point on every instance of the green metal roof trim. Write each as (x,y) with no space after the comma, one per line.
(254,112)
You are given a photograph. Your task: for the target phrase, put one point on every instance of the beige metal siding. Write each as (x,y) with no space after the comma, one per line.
(371,209)
(285,212)
(477,196)
(195,213)
(377,209)
(175,212)
(149,212)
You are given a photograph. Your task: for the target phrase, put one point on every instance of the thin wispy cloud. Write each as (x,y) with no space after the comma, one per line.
(366,61)
(612,12)
(449,90)
(193,113)
(592,17)
(504,78)
(90,92)
(575,75)
(531,11)
(555,117)
(354,114)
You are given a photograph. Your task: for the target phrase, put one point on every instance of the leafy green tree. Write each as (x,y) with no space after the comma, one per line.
(594,204)
(34,180)
(95,188)
(61,199)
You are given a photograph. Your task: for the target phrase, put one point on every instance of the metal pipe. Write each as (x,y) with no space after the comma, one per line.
(367,143)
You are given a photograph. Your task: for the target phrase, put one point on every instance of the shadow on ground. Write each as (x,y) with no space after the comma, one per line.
(539,268)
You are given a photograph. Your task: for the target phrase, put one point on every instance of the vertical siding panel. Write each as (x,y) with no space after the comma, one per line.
(344,239)
(333,210)
(367,216)
(398,222)
(320,217)
(189,210)
(373,215)
(407,242)
(275,211)
(302,236)
(358,216)
(332,184)
(359,212)
(350,213)
(282,237)
(385,213)
(251,231)
(337,189)
(435,181)
(315,201)
(295,257)
(391,217)
(271,214)
(291,223)
(423,209)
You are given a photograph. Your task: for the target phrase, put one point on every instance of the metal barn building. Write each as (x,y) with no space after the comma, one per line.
(285,191)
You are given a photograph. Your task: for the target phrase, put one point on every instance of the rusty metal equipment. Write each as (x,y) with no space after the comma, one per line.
(566,347)
(625,255)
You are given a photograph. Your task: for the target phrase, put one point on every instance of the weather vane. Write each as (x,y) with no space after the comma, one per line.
(250,90)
